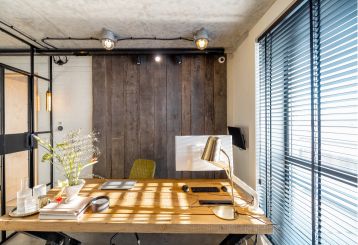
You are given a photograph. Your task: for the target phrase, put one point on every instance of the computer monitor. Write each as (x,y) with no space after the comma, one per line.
(188,151)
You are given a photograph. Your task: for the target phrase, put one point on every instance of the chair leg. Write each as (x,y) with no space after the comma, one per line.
(137,237)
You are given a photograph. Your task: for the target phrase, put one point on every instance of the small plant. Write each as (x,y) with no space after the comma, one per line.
(75,153)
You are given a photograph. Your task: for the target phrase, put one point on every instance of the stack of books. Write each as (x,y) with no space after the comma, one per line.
(70,211)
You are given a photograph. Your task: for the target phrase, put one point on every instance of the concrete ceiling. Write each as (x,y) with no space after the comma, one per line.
(227,21)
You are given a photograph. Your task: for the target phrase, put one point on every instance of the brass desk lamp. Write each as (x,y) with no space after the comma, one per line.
(212,154)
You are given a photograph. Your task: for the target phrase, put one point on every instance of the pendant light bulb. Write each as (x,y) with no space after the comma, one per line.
(48,101)
(201,39)
(108,39)
(108,44)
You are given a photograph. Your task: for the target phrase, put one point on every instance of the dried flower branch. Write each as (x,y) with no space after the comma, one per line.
(75,153)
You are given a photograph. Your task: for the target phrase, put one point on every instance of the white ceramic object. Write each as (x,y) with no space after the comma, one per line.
(14,213)
(72,191)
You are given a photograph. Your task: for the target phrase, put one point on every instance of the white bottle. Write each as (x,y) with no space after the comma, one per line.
(23,196)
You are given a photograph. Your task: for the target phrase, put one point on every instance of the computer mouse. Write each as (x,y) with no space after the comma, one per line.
(185,188)
(224,188)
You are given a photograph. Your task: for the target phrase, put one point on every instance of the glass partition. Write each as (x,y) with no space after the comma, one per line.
(42,105)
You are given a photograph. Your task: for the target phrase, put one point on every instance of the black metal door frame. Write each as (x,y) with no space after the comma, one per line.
(11,143)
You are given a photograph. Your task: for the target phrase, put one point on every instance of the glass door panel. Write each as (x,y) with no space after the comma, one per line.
(16,103)
(15,131)
(42,105)
(42,169)
(16,126)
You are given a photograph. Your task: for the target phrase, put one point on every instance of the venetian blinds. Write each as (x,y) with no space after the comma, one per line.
(307,124)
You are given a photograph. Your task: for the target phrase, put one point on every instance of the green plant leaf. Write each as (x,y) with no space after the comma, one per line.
(46,157)
(61,145)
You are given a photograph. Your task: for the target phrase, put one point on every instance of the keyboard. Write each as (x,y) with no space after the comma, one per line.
(215,202)
(205,189)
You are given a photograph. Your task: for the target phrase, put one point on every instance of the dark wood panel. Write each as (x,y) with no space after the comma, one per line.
(186,102)
(146,109)
(186,95)
(209,111)
(131,94)
(118,119)
(146,105)
(220,98)
(173,114)
(99,91)
(160,115)
(139,109)
(198,102)
(198,95)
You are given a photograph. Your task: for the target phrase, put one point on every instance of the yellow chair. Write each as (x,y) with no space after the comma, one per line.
(142,169)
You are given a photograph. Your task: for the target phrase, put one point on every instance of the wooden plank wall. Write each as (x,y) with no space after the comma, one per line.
(139,109)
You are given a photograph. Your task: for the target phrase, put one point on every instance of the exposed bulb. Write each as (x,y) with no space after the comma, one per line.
(108,44)
(201,43)
(157,58)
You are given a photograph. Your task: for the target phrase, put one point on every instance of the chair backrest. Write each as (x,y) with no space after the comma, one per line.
(142,169)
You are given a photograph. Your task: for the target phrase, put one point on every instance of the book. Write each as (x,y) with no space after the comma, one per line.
(71,210)
(61,216)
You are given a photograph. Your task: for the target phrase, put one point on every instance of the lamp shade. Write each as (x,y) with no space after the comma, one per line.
(212,149)
(201,39)
(108,39)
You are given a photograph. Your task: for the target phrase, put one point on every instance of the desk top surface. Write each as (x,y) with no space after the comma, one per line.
(152,206)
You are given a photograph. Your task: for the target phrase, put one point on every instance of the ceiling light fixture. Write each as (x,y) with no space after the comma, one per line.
(201,39)
(58,60)
(157,58)
(108,39)
(178,59)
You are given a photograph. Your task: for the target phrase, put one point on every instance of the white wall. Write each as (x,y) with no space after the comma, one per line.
(241,91)
(72,99)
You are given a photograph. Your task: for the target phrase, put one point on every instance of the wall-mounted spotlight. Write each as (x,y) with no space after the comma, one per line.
(221,59)
(157,58)
(48,100)
(108,39)
(139,61)
(178,59)
(201,39)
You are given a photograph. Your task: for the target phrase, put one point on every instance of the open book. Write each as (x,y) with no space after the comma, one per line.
(71,210)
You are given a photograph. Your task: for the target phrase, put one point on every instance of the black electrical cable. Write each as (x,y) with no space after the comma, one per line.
(114,236)
(47,39)
(111,240)
(23,34)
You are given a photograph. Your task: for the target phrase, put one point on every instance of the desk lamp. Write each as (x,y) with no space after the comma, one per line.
(211,154)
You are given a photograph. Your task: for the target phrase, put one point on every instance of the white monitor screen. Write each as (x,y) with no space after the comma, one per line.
(188,151)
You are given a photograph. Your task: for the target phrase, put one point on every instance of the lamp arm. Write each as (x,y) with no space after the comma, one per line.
(254,208)
(248,190)
(229,174)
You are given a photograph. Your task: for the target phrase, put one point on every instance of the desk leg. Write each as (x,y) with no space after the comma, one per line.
(233,239)
(53,238)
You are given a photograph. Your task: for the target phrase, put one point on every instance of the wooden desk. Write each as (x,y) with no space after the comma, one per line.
(152,206)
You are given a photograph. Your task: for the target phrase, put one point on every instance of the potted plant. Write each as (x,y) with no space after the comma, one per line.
(75,153)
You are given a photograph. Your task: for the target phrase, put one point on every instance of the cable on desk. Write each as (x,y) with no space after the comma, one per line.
(114,236)
(111,241)
(255,242)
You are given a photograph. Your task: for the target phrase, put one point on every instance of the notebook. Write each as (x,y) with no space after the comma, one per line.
(71,210)
(118,185)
